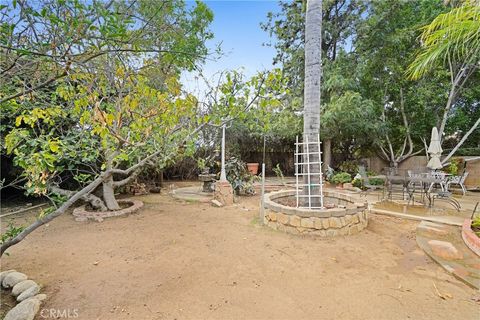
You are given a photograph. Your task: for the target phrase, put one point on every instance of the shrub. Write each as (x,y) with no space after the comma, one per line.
(341,177)
(476,225)
(357,183)
(454,166)
(239,177)
(376,181)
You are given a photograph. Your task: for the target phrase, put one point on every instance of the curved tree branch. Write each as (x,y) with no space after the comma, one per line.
(43,220)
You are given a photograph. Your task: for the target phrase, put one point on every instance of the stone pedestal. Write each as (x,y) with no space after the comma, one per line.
(208,179)
(223,193)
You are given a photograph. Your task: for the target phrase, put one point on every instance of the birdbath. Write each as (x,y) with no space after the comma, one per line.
(208,180)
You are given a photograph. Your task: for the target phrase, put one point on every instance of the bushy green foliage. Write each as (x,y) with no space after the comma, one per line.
(10,232)
(357,183)
(376,181)
(239,177)
(476,225)
(452,168)
(341,177)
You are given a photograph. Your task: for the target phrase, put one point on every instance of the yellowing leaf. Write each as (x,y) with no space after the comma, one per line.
(109,119)
(54,146)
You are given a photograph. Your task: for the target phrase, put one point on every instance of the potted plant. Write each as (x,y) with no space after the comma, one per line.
(253,167)
(340,178)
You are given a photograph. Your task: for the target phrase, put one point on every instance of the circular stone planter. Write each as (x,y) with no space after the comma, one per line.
(82,214)
(470,238)
(322,222)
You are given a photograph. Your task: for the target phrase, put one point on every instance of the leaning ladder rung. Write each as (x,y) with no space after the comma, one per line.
(312,196)
(304,153)
(311,207)
(306,163)
(305,143)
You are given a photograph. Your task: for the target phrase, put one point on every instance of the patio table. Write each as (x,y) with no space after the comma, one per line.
(409,185)
(426,182)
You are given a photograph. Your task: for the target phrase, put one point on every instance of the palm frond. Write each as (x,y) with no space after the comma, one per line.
(454,35)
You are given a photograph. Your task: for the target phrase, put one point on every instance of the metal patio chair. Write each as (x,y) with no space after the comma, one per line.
(458,180)
(366,182)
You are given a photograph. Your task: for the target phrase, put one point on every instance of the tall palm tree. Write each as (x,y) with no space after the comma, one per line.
(313,72)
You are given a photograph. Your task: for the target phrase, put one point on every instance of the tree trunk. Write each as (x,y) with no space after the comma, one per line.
(327,154)
(89,189)
(394,165)
(160,181)
(109,194)
(311,111)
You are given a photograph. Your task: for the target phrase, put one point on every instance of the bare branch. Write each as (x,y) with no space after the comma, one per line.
(464,138)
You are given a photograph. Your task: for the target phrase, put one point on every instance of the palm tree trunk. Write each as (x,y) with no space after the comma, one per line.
(313,71)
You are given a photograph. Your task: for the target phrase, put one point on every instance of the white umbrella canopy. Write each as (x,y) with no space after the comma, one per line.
(435,150)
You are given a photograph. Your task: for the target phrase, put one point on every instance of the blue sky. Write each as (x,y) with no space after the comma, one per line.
(236,26)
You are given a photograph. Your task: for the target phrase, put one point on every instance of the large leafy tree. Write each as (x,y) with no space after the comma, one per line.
(90,93)
(287,27)
(372,54)
(387,42)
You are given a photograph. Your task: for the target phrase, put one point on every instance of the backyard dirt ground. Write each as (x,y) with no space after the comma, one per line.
(183,260)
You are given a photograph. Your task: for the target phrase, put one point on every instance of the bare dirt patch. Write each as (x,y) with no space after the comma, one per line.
(179,260)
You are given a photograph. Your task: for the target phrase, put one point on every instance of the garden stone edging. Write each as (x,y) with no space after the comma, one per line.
(470,238)
(322,222)
(81,213)
(27,293)
(12,278)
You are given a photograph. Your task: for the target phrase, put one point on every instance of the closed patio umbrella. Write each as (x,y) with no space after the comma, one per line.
(435,151)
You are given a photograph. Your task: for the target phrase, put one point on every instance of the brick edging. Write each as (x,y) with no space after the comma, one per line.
(470,238)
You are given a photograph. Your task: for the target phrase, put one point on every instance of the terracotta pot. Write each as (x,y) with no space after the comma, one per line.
(253,167)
